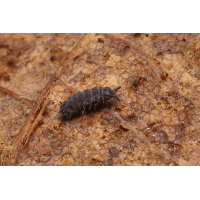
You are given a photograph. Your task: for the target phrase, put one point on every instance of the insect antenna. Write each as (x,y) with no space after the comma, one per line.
(116,89)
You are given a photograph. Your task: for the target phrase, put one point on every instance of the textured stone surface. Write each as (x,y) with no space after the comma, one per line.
(156,122)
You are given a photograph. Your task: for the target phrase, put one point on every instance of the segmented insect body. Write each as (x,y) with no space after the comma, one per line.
(81,101)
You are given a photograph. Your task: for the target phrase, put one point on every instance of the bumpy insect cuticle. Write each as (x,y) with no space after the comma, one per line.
(86,99)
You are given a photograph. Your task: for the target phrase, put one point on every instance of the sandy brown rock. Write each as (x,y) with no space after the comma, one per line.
(156,123)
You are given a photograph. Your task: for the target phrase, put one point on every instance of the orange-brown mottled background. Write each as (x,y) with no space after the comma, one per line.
(156,123)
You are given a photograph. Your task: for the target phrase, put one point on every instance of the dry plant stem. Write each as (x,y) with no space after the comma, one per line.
(133,130)
(33,119)
(67,86)
(17,96)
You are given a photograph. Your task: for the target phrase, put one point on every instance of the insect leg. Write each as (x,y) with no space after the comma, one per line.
(83,111)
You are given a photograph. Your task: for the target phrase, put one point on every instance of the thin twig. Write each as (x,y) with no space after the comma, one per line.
(38,109)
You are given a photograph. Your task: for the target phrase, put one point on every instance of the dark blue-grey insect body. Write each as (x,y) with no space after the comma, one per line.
(85,100)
